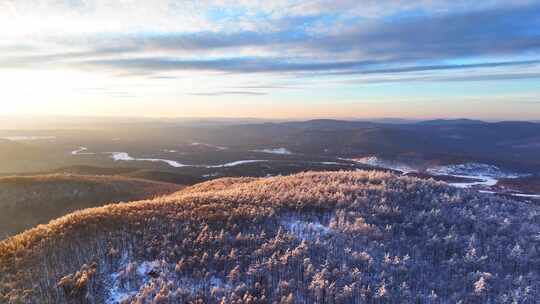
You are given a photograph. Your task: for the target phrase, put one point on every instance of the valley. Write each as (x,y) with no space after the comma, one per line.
(467,154)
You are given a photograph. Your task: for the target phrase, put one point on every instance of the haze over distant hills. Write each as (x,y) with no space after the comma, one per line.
(97,122)
(461,121)
(508,144)
(92,122)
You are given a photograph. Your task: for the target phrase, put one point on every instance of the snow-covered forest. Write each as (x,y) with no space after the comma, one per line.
(345,237)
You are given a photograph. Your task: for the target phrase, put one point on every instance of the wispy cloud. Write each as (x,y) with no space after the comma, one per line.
(281,65)
(392,44)
(223,93)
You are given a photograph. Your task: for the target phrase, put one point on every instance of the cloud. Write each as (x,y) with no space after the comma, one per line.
(223,93)
(422,68)
(281,65)
(266,86)
(228,65)
(501,31)
(443,78)
(407,39)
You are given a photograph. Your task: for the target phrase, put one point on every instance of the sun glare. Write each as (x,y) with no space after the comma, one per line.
(43,91)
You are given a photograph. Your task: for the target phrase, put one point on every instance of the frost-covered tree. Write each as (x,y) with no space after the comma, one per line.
(346,237)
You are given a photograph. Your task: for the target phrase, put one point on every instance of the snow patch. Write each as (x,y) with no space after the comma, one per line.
(488,175)
(209,146)
(387,164)
(146,278)
(303,229)
(124,156)
(472,169)
(333,163)
(145,267)
(235,163)
(483,181)
(81,151)
(210,175)
(526,195)
(282,151)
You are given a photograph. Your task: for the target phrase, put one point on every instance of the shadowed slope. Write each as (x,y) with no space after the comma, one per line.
(344,237)
(26,201)
(152,175)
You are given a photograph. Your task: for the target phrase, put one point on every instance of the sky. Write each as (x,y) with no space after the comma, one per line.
(271,59)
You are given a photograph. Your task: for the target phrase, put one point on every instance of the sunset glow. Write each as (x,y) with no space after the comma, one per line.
(286,59)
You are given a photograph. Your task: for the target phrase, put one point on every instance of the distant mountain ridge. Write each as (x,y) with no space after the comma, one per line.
(507,144)
(462,121)
(511,144)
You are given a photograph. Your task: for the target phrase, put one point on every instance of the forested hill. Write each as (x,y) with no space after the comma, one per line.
(27,201)
(347,237)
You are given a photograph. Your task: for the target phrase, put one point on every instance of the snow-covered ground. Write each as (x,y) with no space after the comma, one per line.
(387,164)
(526,195)
(303,229)
(483,181)
(215,174)
(234,163)
(81,151)
(485,175)
(147,278)
(488,175)
(209,145)
(124,156)
(331,163)
(282,151)
(473,169)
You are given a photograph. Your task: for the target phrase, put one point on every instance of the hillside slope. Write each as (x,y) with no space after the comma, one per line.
(26,201)
(138,173)
(346,237)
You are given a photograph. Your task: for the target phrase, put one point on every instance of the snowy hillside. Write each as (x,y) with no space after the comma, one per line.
(347,237)
(473,169)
